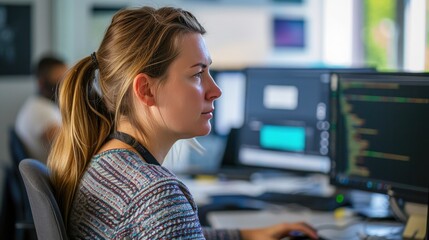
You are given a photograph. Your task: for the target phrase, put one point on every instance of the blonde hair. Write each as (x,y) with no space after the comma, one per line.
(139,40)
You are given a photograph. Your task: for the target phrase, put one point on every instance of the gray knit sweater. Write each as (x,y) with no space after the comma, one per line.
(122,197)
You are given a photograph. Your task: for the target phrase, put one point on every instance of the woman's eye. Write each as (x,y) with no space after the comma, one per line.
(199,75)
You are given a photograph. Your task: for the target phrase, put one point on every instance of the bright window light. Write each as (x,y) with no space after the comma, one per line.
(338,27)
(414,34)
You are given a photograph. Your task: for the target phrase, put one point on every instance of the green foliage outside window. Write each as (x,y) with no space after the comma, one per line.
(379,34)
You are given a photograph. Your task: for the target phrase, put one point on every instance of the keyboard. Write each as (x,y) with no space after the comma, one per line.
(314,202)
(243,202)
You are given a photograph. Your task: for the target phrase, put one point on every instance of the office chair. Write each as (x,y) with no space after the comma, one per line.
(23,220)
(44,207)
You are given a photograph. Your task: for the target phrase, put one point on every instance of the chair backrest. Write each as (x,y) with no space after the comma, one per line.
(44,207)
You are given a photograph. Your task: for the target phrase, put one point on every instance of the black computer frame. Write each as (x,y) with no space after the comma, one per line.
(392,189)
(293,72)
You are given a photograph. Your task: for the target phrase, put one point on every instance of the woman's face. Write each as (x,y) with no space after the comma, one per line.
(185,101)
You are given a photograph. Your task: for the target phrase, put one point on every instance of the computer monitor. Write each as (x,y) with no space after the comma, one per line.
(229,108)
(286,124)
(379,133)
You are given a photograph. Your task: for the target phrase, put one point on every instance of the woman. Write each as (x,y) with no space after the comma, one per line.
(123,108)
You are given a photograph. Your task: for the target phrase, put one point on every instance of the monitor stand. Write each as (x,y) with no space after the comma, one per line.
(416,225)
(415,228)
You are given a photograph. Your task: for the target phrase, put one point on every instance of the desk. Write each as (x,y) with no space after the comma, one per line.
(203,188)
(330,227)
(341,225)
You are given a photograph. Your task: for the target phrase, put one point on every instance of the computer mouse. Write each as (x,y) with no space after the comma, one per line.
(304,237)
(296,235)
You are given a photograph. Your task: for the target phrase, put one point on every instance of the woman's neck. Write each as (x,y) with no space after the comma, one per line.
(157,144)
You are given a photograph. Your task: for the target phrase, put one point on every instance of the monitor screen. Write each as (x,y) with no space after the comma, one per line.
(379,133)
(229,108)
(286,124)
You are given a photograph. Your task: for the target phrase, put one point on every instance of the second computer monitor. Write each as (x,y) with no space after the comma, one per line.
(286,124)
(379,133)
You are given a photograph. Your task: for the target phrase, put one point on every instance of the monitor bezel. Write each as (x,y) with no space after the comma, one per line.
(392,189)
(292,72)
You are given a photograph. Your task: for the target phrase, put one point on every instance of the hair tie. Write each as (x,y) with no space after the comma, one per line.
(94,60)
(96,83)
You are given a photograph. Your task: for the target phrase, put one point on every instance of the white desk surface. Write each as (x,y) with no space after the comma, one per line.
(342,227)
(341,224)
(203,189)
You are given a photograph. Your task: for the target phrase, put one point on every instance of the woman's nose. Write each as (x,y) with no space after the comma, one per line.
(213,91)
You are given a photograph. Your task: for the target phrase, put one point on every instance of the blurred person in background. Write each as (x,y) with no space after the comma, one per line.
(39,118)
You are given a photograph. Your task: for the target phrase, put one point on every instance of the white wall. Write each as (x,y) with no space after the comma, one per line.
(239,32)
(15,89)
(238,35)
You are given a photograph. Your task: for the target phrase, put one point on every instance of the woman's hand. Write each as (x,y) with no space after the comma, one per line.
(278,231)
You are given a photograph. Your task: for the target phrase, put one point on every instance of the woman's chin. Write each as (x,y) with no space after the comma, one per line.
(201,132)
(204,130)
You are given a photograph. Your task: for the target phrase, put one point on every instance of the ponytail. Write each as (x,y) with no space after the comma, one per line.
(86,123)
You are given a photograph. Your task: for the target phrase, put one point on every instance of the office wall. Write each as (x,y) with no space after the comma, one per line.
(238,35)
(15,89)
(239,32)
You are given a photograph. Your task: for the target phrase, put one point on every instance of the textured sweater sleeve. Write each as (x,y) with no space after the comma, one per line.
(127,200)
(121,198)
(161,211)
(221,234)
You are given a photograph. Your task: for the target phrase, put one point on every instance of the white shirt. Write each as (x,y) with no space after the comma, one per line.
(33,119)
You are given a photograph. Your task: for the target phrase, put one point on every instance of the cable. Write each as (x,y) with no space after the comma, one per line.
(398,213)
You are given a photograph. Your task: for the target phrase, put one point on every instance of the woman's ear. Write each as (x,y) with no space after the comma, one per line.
(141,88)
